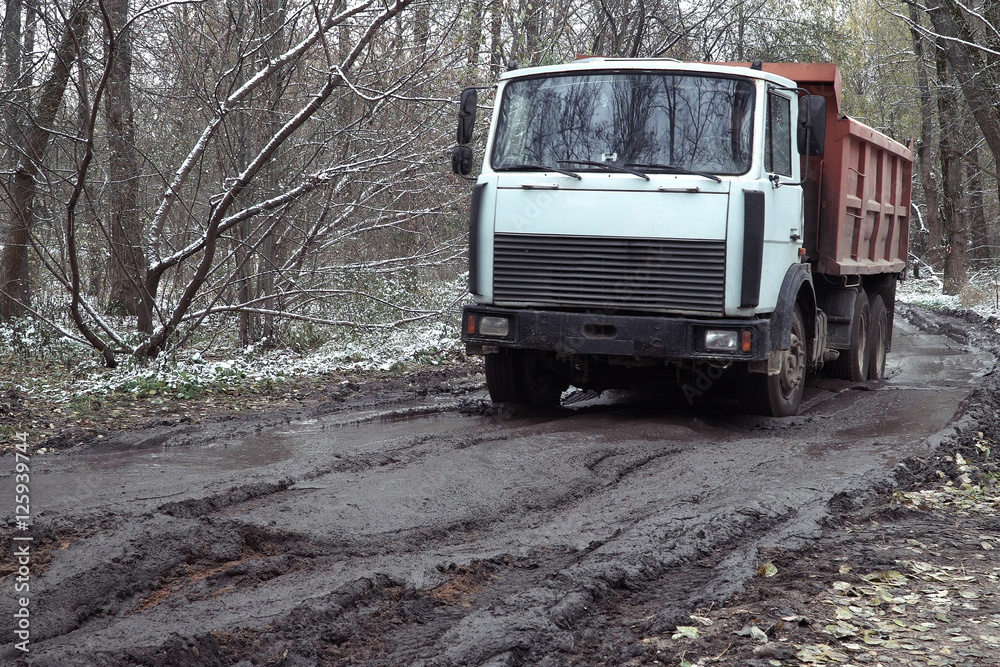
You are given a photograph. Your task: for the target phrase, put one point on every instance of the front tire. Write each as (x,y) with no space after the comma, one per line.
(781,395)
(524,377)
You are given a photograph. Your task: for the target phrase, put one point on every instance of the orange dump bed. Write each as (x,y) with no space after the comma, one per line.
(858,194)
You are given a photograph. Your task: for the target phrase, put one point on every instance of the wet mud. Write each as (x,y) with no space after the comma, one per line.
(436,529)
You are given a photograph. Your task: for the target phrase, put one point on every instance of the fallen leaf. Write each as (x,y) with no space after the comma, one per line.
(688,631)
(842,630)
(752,631)
(767,570)
(841,587)
(818,654)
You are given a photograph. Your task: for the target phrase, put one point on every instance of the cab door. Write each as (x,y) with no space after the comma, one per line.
(783,228)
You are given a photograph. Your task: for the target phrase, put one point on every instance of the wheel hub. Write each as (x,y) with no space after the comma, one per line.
(792,367)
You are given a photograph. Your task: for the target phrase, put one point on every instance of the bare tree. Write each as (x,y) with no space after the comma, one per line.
(303,112)
(931,234)
(12,103)
(14,293)
(496,37)
(953,200)
(979,229)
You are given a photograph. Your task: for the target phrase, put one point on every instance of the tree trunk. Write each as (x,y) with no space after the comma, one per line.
(952,204)
(12,114)
(13,58)
(531,10)
(933,247)
(422,28)
(14,292)
(246,322)
(982,253)
(496,38)
(273,21)
(126,265)
(474,39)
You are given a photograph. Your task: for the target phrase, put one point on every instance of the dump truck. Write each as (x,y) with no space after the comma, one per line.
(644,222)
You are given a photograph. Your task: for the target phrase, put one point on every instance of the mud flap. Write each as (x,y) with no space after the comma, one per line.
(839,306)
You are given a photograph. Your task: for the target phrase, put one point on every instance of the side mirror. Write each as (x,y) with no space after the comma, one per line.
(461,160)
(467,114)
(812,125)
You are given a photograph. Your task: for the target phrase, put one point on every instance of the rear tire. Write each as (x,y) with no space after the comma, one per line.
(879,339)
(781,395)
(522,376)
(852,364)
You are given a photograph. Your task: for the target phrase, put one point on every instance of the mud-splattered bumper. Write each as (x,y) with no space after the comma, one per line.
(485,329)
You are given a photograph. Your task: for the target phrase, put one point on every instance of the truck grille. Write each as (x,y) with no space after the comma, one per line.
(656,275)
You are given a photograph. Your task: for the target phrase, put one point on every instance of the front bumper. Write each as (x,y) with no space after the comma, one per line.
(642,336)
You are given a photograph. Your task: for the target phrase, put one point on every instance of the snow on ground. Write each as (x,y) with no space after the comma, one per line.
(191,371)
(58,369)
(982,295)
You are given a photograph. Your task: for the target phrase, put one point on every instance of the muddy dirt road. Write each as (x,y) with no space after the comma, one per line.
(428,533)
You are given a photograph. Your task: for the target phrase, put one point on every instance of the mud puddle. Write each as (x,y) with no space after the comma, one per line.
(420,534)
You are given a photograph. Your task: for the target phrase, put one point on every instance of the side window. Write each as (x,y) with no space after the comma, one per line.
(778,136)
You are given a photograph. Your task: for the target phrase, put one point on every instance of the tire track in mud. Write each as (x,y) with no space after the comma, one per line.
(183,550)
(156,557)
(488,612)
(585,574)
(437,538)
(74,523)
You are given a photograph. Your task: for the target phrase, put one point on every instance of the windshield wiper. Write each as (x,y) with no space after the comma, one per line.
(670,169)
(540,167)
(606,165)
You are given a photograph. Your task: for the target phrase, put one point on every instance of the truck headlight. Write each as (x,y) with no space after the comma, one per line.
(722,341)
(494,326)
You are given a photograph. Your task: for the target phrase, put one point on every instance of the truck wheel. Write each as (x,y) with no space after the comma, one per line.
(878,339)
(852,364)
(781,395)
(521,376)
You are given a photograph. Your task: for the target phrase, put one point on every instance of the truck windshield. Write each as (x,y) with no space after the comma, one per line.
(679,121)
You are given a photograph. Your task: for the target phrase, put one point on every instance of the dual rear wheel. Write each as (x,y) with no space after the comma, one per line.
(865,358)
(879,339)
